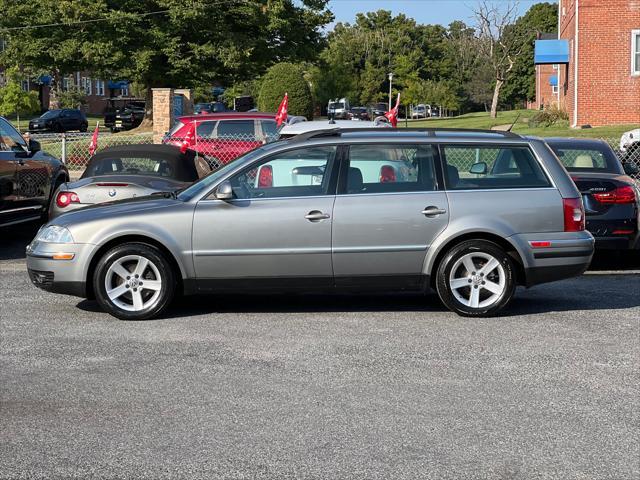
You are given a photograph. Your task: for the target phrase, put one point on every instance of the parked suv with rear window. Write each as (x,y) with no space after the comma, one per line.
(447,224)
(63,120)
(222,137)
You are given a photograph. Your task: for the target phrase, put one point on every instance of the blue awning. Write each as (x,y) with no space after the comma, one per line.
(553,80)
(44,80)
(551,52)
(120,84)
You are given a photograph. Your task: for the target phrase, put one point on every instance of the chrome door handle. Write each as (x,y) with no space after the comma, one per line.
(433,211)
(316,216)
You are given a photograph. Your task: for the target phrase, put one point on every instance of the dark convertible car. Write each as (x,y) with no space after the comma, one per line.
(28,177)
(611,197)
(129,171)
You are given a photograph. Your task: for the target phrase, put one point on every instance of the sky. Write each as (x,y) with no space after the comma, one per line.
(441,12)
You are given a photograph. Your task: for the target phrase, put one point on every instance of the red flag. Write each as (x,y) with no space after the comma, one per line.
(93,146)
(189,138)
(281,116)
(392,115)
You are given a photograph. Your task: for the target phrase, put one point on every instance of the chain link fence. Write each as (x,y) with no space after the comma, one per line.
(73,148)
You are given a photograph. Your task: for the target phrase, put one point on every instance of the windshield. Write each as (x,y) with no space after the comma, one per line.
(336,105)
(50,113)
(579,158)
(205,183)
(177,126)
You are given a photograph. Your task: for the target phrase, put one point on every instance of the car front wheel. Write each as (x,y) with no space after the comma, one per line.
(134,281)
(476,278)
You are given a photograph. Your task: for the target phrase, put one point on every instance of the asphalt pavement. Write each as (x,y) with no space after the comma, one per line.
(323,387)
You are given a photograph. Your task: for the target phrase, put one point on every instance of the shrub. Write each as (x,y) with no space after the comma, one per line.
(286,78)
(548,117)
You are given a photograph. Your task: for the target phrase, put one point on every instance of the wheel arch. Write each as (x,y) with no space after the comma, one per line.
(177,270)
(447,245)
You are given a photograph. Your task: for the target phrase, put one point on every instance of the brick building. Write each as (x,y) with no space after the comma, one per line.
(547,90)
(599,78)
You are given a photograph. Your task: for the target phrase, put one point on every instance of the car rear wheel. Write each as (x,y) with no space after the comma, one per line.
(476,278)
(134,281)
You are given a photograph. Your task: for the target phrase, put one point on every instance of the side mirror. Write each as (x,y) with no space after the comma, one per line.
(479,168)
(630,168)
(34,146)
(224,191)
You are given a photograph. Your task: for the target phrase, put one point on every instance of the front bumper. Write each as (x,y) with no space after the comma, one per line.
(59,276)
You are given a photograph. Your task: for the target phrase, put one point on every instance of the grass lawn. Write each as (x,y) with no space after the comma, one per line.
(483,120)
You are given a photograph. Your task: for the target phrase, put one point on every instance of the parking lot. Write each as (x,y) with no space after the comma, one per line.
(322,386)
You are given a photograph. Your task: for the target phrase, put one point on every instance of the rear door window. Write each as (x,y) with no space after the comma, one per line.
(474,167)
(389,168)
(206,129)
(237,130)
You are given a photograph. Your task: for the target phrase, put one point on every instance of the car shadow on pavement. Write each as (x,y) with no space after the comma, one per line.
(14,240)
(540,300)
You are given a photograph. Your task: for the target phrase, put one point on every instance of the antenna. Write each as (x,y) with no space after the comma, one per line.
(514,122)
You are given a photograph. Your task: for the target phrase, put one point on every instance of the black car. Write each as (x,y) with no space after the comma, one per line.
(28,177)
(359,113)
(128,117)
(62,120)
(215,107)
(611,197)
(379,109)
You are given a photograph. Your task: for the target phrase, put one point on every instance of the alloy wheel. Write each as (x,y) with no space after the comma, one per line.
(133,283)
(477,280)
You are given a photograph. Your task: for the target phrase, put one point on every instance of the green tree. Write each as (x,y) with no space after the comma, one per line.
(359,57)
(541,18)
(161,43)
(286,78)
(13,99)
(72,98)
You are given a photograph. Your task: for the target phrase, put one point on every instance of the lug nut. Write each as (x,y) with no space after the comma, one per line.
(128,278)
(128,286)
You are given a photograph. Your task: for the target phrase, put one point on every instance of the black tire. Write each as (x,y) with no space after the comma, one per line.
(468,249)
(166,277)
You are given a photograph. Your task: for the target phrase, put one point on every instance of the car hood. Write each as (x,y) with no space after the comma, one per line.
(119,209)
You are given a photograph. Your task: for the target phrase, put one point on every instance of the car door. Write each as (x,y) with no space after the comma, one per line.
(32,173)
(270,234)
(7,184)
(388,211)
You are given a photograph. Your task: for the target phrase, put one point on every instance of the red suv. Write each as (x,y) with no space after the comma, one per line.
(222,137)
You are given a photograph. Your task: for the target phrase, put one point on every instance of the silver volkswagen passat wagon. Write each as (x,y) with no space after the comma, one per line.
(471,214)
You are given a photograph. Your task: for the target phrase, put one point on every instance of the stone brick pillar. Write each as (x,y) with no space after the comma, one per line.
(162,112)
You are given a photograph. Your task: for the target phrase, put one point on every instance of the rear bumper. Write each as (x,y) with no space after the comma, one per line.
(555,256)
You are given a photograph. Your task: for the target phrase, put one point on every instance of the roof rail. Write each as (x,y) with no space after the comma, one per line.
(334,132)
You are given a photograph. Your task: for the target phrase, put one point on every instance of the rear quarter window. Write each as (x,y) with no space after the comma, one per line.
(481,167)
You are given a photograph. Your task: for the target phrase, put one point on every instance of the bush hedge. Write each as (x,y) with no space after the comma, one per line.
(286,78)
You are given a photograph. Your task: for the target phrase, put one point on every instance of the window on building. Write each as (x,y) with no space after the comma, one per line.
(100,88)
(555,66)
(554,89)
(125,91)
(88,87)
(635,52)
(25,85)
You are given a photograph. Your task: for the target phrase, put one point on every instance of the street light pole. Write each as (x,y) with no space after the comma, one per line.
(390,86)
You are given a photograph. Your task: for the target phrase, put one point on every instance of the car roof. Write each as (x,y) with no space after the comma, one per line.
(227,116)
(320,125)
(162,149)
(418,134)
(577,142)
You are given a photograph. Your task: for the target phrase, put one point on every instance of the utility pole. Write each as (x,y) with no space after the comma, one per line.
(390,86)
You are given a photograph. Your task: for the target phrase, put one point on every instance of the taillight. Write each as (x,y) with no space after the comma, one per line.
(64,199)
(619,195)
(573,214)
(387,174)
(265,177)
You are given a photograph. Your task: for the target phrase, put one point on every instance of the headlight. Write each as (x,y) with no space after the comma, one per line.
(54,234)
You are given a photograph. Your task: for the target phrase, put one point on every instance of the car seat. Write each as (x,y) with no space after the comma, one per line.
(355,183)
(583,161)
